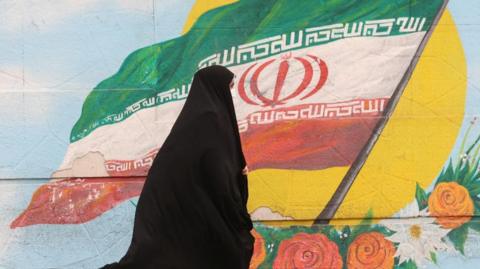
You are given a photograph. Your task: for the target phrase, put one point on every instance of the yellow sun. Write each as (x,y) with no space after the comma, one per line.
(413,147)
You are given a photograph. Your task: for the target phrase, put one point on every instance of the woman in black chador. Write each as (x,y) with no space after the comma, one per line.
(192,211)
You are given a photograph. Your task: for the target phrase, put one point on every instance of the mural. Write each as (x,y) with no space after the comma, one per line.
(358,122)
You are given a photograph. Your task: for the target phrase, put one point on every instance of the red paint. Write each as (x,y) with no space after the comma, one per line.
(309,144)
(131,167)
(307,78)
(254,83)
(241,86)
(283,69)
(77,200)
(323,76)
(306,144)
(282,74)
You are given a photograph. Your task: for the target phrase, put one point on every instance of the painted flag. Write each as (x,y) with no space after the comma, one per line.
(312,81)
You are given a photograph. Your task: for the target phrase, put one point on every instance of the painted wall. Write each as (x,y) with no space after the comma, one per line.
(383,97)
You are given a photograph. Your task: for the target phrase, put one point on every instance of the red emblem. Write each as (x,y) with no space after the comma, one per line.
(309,64)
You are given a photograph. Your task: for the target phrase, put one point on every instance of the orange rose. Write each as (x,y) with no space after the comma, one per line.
(259,251)
(370,250)
(308,251)
(451,204)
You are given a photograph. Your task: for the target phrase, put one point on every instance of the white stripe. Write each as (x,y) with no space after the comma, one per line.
(362,67)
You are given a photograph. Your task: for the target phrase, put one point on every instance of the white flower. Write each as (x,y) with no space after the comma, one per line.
(416,234)
(465,157)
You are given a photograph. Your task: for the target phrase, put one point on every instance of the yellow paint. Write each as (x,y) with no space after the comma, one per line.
(200,7)
(413,147)
(419,137)
(294,193)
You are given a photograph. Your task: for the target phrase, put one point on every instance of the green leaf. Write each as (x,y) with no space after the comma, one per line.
(450,171)
(473,145)
(477,203)
(382,229)
(461,174)
(364,226)
(460,169)
(369,215)
(474,189)
(332,234)
(472,174)
(433,256)
(421,197)
(447,174)
(475,155)
(458,237)
(346,231)
(474,224)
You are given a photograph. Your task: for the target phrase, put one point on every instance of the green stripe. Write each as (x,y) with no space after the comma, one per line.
(160,67)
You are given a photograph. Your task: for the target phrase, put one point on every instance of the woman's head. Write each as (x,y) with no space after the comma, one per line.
(210,92)
(217,78)
(218,82)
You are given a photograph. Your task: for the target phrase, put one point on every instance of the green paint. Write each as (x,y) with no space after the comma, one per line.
(160,67)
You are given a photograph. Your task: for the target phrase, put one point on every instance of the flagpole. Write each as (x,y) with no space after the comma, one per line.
(341,192)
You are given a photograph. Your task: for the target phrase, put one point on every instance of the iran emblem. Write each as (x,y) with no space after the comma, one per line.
(295,78)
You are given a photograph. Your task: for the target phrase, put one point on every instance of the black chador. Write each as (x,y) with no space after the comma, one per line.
(192,211)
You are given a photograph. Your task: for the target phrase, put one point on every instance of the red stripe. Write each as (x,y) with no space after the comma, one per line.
(77,200)
(296,144)
(306,144)
(287,144)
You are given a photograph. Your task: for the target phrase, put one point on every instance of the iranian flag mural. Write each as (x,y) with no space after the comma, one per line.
(314,85)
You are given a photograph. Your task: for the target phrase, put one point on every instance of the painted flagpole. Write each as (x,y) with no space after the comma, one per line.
(341,192)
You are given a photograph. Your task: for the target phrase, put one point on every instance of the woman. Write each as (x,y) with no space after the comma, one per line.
(192,211)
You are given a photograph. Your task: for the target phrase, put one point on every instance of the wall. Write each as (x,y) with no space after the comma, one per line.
(358,122)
